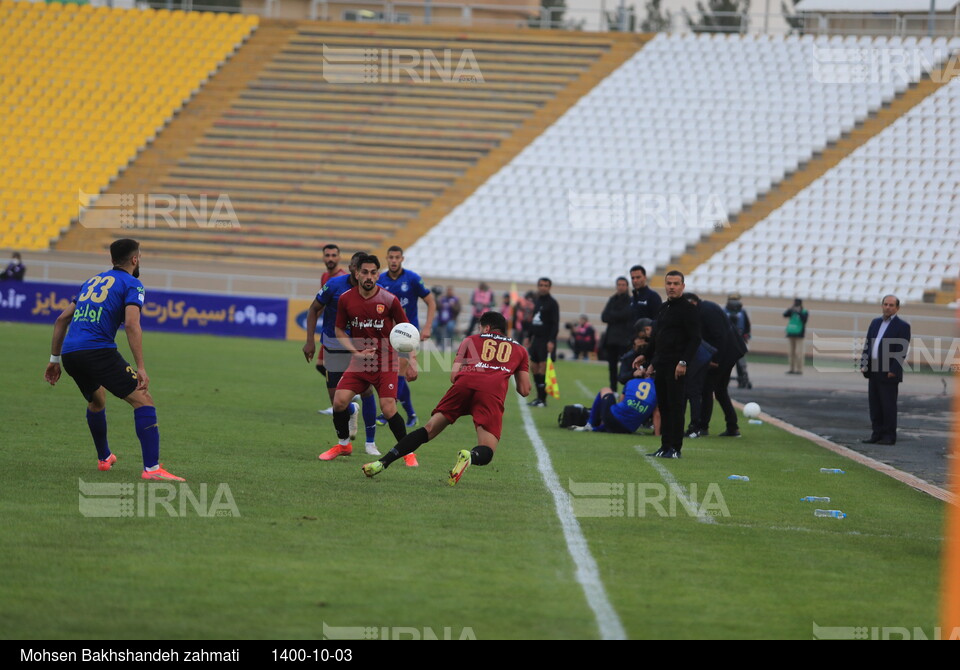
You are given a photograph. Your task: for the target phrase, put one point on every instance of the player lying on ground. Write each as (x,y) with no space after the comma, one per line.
(84,335)
(481,372)
(626,414)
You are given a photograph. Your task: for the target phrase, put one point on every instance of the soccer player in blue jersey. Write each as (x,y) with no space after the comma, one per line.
(624,415)
(84,341)
(408,286)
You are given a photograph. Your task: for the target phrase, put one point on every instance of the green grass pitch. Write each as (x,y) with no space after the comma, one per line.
(317,544)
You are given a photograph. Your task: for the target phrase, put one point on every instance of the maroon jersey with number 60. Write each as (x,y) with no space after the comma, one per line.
(488,361)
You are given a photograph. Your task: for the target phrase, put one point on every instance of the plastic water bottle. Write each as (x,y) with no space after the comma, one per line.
(739,478)
(756,422)
(829,513)
(832,471)
(814,499)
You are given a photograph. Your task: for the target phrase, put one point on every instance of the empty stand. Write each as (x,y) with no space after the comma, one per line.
(82,91)
(885,220)
(679,139)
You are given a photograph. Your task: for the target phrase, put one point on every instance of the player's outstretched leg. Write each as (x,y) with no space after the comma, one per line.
(479,455)
(405,447)
(397,427)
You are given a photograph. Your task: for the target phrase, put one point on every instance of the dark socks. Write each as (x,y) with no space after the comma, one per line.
(398,426)
(97,421)
(341,422)
(541,382)
(407,445)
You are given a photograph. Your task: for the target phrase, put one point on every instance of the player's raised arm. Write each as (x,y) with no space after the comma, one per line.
(313,315)
(131,326)
(52,374)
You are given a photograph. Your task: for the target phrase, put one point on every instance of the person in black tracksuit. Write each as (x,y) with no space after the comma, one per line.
(618,315)
(674,342)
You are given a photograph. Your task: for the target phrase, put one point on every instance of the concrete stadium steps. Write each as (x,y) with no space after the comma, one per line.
(145,174)
(796,182)
(306,158)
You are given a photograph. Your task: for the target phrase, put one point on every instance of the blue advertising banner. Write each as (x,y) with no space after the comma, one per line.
(167,311)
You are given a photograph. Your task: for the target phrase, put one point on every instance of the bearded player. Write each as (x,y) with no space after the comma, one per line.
(370,313)
(481,372)
(84,337)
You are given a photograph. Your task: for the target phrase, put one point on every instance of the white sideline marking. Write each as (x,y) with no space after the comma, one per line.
(587,573)
(669,479)
(586,391)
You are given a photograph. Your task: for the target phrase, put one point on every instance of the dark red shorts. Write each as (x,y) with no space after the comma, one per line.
(385,383)
(485,407)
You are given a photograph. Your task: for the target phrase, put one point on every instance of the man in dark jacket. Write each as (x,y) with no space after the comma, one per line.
(884,353)
(674,342)
(717,330)
(618,315)
(645,301)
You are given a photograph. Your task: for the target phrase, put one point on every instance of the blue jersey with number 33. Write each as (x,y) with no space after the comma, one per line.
(101,309)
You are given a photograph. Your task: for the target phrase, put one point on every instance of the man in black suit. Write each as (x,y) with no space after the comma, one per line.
(674,342)
(884,352)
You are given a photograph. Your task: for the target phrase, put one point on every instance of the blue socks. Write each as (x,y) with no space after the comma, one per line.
(98,430)
(370,417)
(145,419)
(403,395)
(595,418)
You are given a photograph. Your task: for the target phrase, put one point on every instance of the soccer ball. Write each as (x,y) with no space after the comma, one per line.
(751,410)
(405,337)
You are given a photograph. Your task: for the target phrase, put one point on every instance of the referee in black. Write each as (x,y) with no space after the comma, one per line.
(541,341)
(674,342)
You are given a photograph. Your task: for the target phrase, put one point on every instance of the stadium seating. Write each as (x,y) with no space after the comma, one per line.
(82,91)
(683,136)
(314,150)
(886,219)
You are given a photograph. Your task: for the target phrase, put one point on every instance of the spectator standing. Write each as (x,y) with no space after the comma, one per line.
(741,324)
(619,317)
(482,301)
(15,269)
(796,330)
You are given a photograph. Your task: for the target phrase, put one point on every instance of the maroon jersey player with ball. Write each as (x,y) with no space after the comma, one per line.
(480,375)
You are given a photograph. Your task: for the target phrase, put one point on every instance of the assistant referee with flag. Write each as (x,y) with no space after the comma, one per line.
(542,339)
